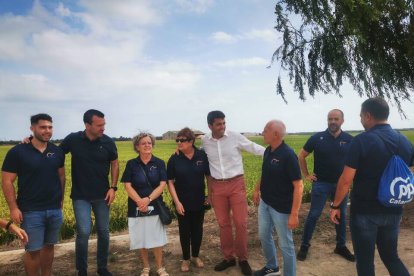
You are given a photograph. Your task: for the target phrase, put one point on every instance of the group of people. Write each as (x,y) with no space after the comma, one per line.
(39,166)
(339,161)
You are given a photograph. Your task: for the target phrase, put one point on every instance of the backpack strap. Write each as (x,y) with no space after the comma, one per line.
(387,145)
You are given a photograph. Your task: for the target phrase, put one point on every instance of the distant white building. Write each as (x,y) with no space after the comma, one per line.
(250,134)
(172,134)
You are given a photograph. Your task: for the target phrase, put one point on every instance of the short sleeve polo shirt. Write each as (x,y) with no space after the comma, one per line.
(329,154)
(38,183)
(155,171)
(369,155)
(91,162)
(280,168)
(188,176)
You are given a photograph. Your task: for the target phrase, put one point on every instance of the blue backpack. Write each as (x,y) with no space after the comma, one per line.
(396,186)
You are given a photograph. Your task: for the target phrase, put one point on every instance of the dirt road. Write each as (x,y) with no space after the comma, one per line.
(321,259)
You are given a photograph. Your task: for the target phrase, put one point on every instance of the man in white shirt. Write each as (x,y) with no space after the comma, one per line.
(227,189)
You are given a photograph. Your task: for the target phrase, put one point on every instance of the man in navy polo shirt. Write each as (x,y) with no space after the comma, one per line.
(93,155)
(39,167)
(279,195)
(372,224)
(329,148)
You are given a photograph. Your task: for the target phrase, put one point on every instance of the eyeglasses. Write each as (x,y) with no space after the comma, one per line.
(182,140)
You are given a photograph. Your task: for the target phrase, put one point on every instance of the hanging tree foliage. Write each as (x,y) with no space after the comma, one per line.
(368,42)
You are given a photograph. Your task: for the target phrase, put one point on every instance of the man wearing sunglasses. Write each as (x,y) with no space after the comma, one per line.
(227,189)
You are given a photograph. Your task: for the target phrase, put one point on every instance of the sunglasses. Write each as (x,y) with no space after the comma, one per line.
(182,140)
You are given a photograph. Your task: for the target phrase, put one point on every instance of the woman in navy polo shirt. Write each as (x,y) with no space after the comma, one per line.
(145,178)
(186,171)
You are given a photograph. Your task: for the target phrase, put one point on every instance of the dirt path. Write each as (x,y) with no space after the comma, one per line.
(321,259)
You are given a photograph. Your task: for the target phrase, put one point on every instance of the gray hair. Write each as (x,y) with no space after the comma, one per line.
(139,136)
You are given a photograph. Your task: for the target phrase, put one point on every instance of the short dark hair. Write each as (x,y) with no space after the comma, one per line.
(377,107)
(41,116)
(87,117)
(338,110)
(212,115)
(187,133)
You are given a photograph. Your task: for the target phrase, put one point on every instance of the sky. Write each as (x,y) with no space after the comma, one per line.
(152,66)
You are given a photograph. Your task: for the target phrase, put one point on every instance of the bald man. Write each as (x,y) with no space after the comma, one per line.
(329,148)
(279,195)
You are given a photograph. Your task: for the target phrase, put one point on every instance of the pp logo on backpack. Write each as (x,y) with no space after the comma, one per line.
(396,186)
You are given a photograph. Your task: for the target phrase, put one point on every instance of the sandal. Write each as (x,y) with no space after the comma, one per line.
(161,272)
(185,265)
(197,262)
(145,271)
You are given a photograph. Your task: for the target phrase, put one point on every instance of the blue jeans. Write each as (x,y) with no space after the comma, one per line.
(320,193)
(269,220)
(42,227)
(82,210)
(382,230)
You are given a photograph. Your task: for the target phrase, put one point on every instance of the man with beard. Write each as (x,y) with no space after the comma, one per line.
(329,148)
(372,224)
(39,167)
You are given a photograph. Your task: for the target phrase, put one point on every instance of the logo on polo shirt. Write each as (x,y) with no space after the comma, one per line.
(50,155)
(153,168)
(274,161)
(199,162)
(341,143)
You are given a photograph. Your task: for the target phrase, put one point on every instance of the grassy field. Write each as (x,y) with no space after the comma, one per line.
(163,150)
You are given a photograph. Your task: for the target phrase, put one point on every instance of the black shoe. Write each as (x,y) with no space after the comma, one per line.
(303,252)
(344,252)
(245,268)
(104,272)
(224,264)
(267,272)
(82,272)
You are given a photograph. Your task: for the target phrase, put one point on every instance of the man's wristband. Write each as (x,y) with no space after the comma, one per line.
(115,188)
(8,225)
(334,207)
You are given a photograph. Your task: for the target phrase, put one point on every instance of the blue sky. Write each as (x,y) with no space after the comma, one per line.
(151,65)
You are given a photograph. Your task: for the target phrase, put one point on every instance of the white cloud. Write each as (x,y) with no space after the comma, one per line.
(68,52)
(254,34)
(63,11)
(223,37)
(16,31)
(131,60)
(127,12)
(197,6)
(29,88)
(243,62)
(264,34)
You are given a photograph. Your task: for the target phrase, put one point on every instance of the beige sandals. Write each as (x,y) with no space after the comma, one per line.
(197,262)
(161,272)
(145,271)
(185,265)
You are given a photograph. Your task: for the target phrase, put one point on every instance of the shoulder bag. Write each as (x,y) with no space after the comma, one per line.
(163,212)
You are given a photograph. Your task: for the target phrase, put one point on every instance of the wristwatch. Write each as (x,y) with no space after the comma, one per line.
(115,188)
(334,207)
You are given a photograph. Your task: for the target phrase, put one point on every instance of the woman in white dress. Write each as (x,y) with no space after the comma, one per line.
(145,179)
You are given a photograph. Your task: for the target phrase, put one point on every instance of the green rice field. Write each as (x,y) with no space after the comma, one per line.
(163,149)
